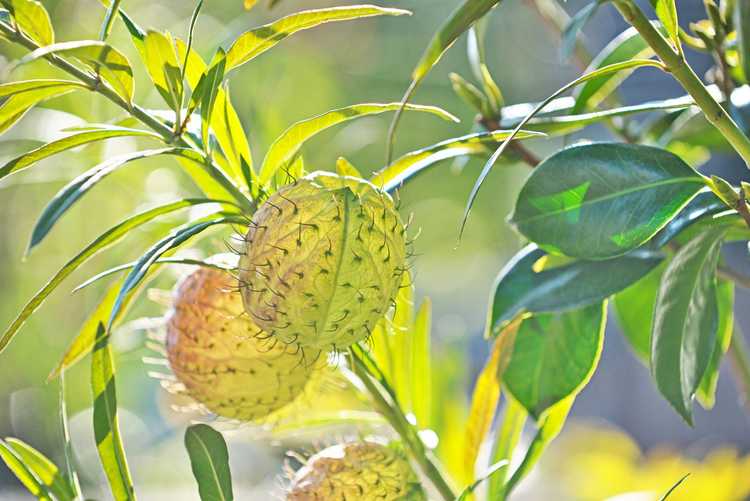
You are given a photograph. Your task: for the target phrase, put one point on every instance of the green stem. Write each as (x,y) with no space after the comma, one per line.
(739,356)
(678,66)
(391,411)
(133,109)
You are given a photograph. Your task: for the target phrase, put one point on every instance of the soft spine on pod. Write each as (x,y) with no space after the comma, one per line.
(323,261)
(357,471)
(222,357)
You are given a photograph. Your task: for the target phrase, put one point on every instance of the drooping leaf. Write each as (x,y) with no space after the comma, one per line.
(601,200)
(706,393)
(525,285)
(106,239)
(106,423)
(626,46)
(254,42)
(23,473)
(686,321)
(554,356)
(666,11)
(172,241)
(33,19)
(209,459)
(286,146)
(43,469)
(73,191)
(414,162)
(73,141)
(22,96)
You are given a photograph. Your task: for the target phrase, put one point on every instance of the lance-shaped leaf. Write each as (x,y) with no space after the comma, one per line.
(106,61)
(572,32)
(106,423)
(24,473)
(601,200)
(33,19)
(109,19)
(45,471)
(207,90)
(634,307)
(526,285)
(73,141)
(625,47)
(286,146)
(412,163)
(254,42)
(73,191)
(108,238)
(706,393)
(160,58)
(742,25)
(20,97)
(666,11)
(554,356)
(686,320)
(172,241)
(209,459)
(421,365)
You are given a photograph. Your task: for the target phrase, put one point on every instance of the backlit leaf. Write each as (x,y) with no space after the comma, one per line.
(23,473)
(43,469)
(666,11)
(22,96)
(162,66)
(33,19)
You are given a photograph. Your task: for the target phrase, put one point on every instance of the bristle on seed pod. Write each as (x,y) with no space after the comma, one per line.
(324,258)
(360,471)
(222,357)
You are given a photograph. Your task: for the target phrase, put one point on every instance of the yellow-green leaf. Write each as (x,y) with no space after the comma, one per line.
(33,19)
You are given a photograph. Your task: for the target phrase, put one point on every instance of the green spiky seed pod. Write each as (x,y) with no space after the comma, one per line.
(324,259)
(358,471)
(222,357)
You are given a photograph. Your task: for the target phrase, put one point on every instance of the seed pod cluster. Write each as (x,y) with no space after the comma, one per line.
(323,261)
(360,471)
(222,357)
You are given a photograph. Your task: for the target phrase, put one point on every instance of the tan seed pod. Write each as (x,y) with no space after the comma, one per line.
(222,357)
(324,259)
(360,471)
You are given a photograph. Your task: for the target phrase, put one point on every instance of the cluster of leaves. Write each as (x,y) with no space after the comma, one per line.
(633,223)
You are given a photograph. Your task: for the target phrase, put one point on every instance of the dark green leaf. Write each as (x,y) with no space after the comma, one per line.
(686,320)
(600,200)
(706,393)
(254,42)
(628,45)
(209,460)
(554,356)
(43,469)
(33,19)
(676,485)
(108,238)
(526,286)
(106,424)
(702,207)
(69,142)
(74,190)
(286,146)
(22,96)
(106,61)
(635,308)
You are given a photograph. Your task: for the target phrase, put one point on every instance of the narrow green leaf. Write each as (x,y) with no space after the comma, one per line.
(524,285)
(569,36)
(108,238)
(666,11)
(469,12)
(601,200)
(106,61)
(470,94)
(506,440)
(554,356)
(209,459)
(686,320)
(742,26)
(162,66)
(74,190)
(109,19)
(166,244)
(23,473)
(477,61)
(71,474)
(286,146)
(254,42)
(625,47)
(706,393)
(106,424)
(412,163)
(606,70)
(211,83)
(43,469)
(22,96)
(69,142)
(421,365)
(33,19)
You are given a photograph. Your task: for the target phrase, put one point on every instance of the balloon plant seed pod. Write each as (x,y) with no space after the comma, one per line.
(323,261)
(359,471)
(222,357)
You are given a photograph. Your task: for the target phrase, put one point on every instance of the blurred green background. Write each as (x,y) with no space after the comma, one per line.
(328,67)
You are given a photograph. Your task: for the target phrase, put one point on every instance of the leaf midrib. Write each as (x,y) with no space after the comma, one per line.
(211,465)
